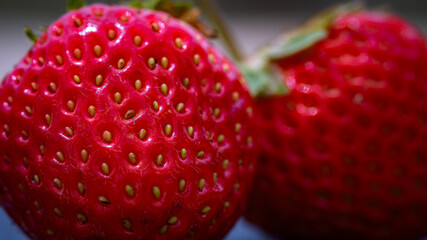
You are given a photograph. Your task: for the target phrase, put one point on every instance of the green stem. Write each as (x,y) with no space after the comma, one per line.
(214,14)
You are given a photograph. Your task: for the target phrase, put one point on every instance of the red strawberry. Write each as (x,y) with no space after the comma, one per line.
(345,150)
(124,123)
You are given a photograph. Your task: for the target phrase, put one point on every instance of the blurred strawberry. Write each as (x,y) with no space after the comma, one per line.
(343,118)
(124,123)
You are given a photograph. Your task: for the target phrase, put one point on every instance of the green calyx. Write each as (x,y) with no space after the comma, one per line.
(30,34)
(161,4)
(75,4)
(262,78)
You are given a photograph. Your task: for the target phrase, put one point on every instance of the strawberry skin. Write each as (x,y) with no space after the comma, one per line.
(344,152)
(123,123)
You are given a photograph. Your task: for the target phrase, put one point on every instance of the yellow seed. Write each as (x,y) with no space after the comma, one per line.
(59,60)
(172,220)
(127,224)
(151,63)
(52,87)
(200,154)
(129,190)
(159,160)
(155,27)
(77,22)
(129,114)
(76,79)
(124,18)
(218,87)
(91,111)
(205,209)
(180,107)
(201,184)
(40,60)
(42,149)
(249,140)
(196,59)
(58,31)
(34,86)
(249,111)
(77,53)
(216,112)
(181,185)
(137,40)
(240,162)
(70,105)
(203,82)
(37,205)
(105,168)
(82,218)
(226,204)
(98,50)
(215,177)
(60,156)
(142,133)
(156,192)
(97,13)
(156,106)
(69,131)
(237,127)
(111,34)
(168,130)
(236,186)
(10,99)
(36,179)
(225,67)
(190,131)
(163,229)
(185,82)
(58,212)
(164,89)
(235,96)
(225,164)
(81,188)
(211,58)
(29,110)
(84,155)
(178,43)
(50,232)
(220,138)
(117,97)
(103,200)
(57,182)
(183,153)
(25,134)
(107,136)
(138,85)
(132,158)
(121,63)
(165,62)
(98,80)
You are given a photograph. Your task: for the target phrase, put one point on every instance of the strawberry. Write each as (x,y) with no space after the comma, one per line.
(124,123)
(342,114)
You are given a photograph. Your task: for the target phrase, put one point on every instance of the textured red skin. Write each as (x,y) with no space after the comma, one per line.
(344,154)
(146,214)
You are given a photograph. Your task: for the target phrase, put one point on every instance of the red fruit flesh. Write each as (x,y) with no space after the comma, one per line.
(124,124)
(344,154)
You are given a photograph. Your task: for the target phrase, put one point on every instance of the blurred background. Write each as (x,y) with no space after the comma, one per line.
(252,22)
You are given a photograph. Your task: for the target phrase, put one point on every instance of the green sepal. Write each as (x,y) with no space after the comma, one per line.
(259,69)
(75,4)
(263,82)
(160,5)
(30,34)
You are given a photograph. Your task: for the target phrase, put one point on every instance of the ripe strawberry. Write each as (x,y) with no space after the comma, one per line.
(124,123)
(345,149)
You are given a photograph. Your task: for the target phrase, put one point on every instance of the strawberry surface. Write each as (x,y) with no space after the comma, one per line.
(124,123)
(344,152)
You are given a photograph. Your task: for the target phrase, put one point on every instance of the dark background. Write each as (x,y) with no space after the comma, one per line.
(253,22)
